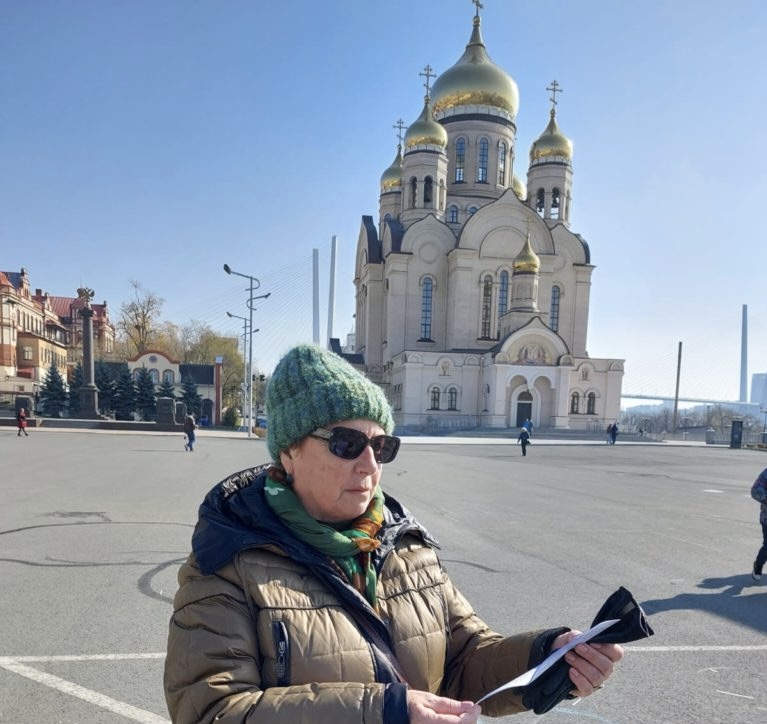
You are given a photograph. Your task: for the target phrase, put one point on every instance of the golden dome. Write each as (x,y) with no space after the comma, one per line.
(519,186)
(392,177)
(552,143)
(425,131)
(527,260)
(475,81)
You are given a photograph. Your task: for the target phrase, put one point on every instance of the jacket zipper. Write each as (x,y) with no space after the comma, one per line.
(282,652)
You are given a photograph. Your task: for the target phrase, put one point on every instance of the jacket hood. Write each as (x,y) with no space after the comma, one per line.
(235,516)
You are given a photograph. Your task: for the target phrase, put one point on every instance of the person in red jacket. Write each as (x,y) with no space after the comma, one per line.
(21,422)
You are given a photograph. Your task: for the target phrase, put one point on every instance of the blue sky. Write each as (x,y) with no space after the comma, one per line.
(156,140)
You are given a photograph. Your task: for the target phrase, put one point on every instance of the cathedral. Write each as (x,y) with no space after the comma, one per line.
(472,293)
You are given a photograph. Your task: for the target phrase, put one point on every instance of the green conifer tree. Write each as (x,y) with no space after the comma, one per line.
(125,394)
(54,392)
(166,389)
(75,383)
(190,397)
(106,384)
(146,402)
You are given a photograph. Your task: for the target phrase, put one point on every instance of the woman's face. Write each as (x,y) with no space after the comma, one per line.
(330,488)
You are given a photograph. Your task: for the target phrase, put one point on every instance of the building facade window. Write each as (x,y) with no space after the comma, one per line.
(168,377)
(487,307)
(426,308)
(554,311)
(434,398)
(555,204)
(502,164)
(452,399)
(482,160)
(428,192)
(575,399)
(460,159)
(540,201)
(452,215)
(26,353)
(413,191)
(472,210)
(591,404)
(503,299)
(155,376)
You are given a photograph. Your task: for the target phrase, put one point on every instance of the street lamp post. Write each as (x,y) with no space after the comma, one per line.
(244,350)
(254,284)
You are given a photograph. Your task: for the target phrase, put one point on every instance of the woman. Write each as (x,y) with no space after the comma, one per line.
(21,422)
(311,596)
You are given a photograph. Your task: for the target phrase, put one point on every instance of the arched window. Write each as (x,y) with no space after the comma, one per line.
(540,201)
(591,404)
(555,203)
(452,216)
(460,159)
(472,210)
(427,191)
(503,298)
(452,399)
(574,401)
(502,164)
(482,160)
(554,311)
(442,194)
(387,218)
(168,377)
(155,376)
(487,306)
(426,305)
(434,398)
(413,191)
(136,373)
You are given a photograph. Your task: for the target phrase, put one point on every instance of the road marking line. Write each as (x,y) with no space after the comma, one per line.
(664,649)
(91,697)
(730,693)
(83,657)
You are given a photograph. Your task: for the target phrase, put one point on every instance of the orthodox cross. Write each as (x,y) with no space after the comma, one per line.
(554,88)
(428,73)
(400,126)
(479,5)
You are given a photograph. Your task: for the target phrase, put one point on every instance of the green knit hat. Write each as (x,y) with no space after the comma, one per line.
(312,387)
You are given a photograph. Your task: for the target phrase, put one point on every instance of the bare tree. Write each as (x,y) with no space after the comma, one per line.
(139,319)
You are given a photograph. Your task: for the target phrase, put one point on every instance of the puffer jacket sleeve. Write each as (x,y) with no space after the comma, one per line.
(480,660)
(212,668)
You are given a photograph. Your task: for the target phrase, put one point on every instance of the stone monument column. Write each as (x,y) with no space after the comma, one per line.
(89,393)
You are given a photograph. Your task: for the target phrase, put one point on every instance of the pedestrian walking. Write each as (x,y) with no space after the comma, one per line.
(21,422)
(609,433)
(189,428)
(524,440)
(759,494)
(613,433)
(311,595)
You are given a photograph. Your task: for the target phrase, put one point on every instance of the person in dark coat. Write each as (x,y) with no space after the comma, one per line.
(613,433)
(524,440)
(189,428)
(759,494)
(21,422)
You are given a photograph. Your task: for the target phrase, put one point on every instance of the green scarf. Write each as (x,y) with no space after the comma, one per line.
(350,548)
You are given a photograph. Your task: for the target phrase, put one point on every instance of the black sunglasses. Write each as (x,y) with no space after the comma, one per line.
(346,443)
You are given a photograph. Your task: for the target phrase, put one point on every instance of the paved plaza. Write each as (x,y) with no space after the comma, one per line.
(93,527)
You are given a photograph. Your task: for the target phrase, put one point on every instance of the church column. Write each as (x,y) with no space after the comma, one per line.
(88,392)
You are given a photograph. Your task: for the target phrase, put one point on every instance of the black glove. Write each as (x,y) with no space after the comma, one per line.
(554,685)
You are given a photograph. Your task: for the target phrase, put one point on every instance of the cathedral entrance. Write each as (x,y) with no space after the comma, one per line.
(524,408)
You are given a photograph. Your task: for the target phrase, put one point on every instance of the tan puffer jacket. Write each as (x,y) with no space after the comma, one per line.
(265,638)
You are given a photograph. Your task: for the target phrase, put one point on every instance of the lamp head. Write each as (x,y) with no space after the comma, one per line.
(227,269)
(229,314)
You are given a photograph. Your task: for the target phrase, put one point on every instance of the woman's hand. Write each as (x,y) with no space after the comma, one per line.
(426,708)
(590,664)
